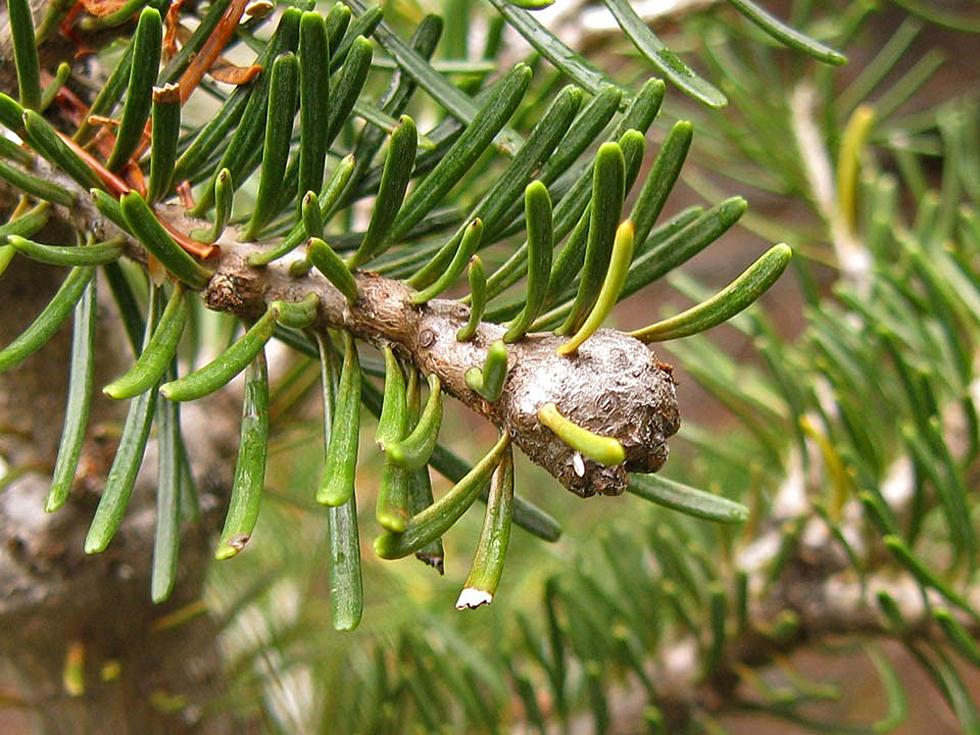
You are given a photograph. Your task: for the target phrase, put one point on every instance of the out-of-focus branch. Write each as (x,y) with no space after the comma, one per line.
(53,597)
(57,603)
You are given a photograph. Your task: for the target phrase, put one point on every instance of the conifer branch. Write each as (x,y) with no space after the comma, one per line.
(615,386)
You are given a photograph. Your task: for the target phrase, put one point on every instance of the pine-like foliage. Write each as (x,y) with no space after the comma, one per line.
(341,181)
(304,139)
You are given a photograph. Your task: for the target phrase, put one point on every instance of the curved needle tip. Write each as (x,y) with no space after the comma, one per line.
(605,450)
(472,598)
(734,298)
(232,547)
(612,284)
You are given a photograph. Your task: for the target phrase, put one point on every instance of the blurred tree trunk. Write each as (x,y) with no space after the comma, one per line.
(56,603)
(91,617)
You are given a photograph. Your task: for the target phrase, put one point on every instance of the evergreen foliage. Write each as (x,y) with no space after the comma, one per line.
(341,182)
